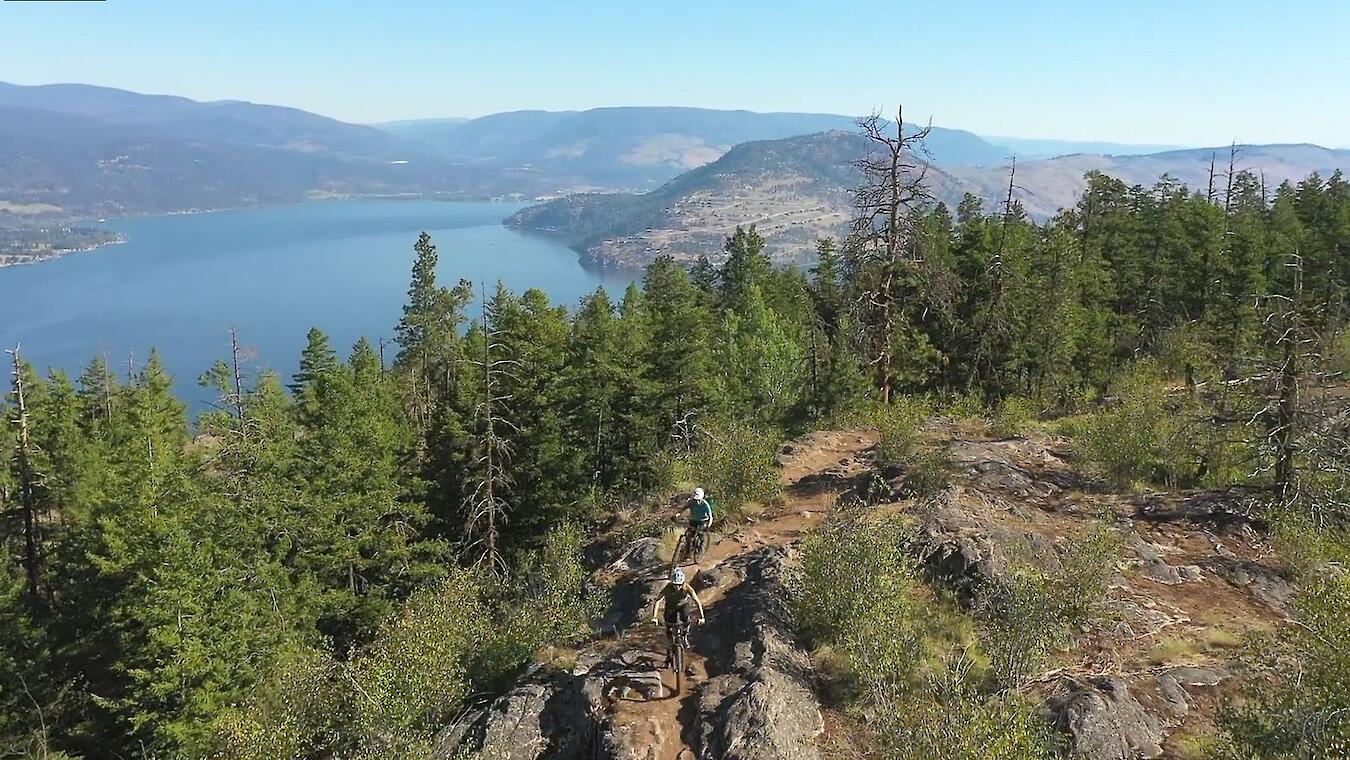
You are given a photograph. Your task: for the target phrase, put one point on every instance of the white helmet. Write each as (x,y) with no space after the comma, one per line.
(698,493)
(677,577)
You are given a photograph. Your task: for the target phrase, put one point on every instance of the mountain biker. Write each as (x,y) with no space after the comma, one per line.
(700,516)
(679,600)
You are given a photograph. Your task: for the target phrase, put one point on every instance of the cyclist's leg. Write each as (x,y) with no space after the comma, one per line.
(700,540)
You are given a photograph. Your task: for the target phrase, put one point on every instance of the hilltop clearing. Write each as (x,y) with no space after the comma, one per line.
(1195,576)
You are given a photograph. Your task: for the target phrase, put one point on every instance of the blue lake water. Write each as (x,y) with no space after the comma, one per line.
(181,282)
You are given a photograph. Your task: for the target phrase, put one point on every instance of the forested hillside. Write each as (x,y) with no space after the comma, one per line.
(338,563)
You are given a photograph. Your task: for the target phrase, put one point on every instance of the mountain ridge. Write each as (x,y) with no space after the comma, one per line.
(796,190)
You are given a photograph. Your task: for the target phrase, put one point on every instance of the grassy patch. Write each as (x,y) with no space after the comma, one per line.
(1173,650)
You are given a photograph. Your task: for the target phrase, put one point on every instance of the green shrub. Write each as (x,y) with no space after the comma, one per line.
(1297,700)
(415,674)
(737,463)
(928,472)
(911,664)
(966,405)
(903,450)
(1027,614)
(1019,625)
(1014,416)
(1338,353)
(1136,438)
(900,426)
(302,711)
(552,603)
(466,633)
(845,565)
(953,719)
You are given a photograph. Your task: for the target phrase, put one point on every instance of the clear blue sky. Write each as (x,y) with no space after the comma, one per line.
(1194,72)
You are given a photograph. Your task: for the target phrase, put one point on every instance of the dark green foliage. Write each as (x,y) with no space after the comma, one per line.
(462,634)
(187,583)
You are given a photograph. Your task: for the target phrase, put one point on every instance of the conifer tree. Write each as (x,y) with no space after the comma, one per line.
(676,356)
(746,267)
(428,336)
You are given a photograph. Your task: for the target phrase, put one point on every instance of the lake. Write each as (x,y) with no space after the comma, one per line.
(181,282)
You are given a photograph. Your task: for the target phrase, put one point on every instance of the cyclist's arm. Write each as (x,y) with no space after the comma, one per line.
(699,602)
(656,608)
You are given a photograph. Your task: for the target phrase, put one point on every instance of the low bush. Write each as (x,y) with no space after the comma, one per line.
(902,656)
(927,473)
(1014,416)
(737,464)
(1297,701)
(1029,613)
(967,405)
(953,718)
(900,426)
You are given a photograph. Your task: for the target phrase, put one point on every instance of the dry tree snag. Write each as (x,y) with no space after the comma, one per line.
(27,482)
(892,187)
(992,324)
(486,506)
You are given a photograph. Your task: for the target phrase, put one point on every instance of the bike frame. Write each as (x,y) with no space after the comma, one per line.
(675,646)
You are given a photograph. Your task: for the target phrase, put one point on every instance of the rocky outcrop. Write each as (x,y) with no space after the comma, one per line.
(1154,567)
(561,716)
(966,539)
(759,703)
(1104,721)
(762,704)
(553,715)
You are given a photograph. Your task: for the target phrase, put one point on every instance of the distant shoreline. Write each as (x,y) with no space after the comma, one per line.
(16,260)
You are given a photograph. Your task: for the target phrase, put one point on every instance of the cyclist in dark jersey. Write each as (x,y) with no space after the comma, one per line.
(679,601)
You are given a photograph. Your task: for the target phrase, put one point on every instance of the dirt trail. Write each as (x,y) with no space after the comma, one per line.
(815,470)
(1195,575)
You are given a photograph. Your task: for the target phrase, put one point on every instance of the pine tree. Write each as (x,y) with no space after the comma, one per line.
(317,359)
(746,267)
(545,469)
(760,366)
(676,356)
(428,336)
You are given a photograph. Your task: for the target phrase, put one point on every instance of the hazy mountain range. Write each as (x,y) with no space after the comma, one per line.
(640,147)
(83,151)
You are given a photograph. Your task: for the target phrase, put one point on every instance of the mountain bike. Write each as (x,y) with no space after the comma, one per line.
(692,544)
(675,649)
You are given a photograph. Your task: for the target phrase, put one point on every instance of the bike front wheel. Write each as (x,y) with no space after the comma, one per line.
(677,662)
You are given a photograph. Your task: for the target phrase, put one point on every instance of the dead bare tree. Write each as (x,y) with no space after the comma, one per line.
(238,373)
(992,326)
(487,507)
(28,483)
(1230,176)
(227,378)
(1209,188)
(891,190)
(1307,421)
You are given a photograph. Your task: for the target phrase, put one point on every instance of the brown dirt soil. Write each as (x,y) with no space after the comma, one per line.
(815,471)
